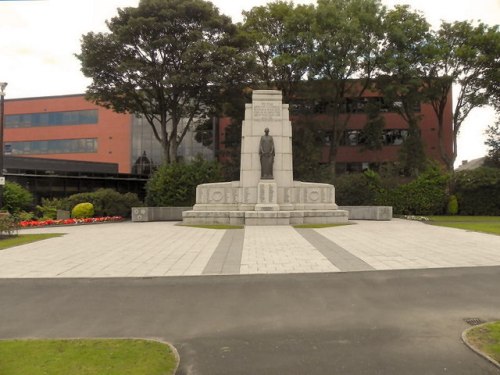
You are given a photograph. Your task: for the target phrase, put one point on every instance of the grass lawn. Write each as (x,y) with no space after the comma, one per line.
(313,226)
(485,224)
(86,357)
(213,226)
(486,338)
(25,238)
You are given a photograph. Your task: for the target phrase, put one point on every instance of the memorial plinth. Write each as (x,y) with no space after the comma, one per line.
(257,201)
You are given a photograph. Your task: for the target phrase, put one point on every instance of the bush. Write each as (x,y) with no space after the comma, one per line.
(107,202)
(478,191)
(426,195)
(8,225)
(175,184)
(16,198)
(82,211)
(453,205)
(358,189)
(48,209)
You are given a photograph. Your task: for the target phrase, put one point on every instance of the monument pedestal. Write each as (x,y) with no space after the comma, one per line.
(267,196)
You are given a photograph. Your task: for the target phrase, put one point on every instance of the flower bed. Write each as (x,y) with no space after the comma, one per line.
(91,220)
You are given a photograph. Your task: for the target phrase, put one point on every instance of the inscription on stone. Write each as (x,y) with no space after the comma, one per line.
(267,111)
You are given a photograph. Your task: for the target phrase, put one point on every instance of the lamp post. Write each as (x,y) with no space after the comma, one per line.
(3,85)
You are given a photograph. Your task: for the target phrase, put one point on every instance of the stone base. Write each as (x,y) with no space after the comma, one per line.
(379,213)
(158,213)
(265,217)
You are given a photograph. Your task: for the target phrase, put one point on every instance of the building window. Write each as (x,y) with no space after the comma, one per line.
(31,120)
(56,146)
(390,137)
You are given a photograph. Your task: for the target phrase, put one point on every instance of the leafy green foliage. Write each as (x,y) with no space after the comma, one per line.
(373,129)
(165,60)
(452,205)
(357,189)
(82,211)
(175,184)
(106,202)
(466,56)
(493,143)
(307,148)
(8,225)
(280,36)
(407,35)
(426,195)
(478,191)
(347,35)
(16,198)
(49,206)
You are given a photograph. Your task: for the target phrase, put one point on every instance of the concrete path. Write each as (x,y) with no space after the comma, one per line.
(166,249)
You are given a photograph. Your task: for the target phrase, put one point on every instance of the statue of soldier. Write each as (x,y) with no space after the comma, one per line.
(266,152)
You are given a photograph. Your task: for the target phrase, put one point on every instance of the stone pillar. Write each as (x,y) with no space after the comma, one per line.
(266,111)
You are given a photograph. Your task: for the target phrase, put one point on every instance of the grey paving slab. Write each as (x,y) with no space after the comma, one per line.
(280,249)
(340,258)
(226,258)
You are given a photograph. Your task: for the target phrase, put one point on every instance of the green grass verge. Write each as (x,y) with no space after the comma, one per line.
(25,238)
(313,226)
(485,224)
(214,226)
(86,357)
(467,219)
(486,338)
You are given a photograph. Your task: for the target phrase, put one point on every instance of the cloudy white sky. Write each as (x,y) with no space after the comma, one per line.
(38,40)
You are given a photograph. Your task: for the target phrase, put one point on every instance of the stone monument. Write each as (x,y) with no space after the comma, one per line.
(266,193)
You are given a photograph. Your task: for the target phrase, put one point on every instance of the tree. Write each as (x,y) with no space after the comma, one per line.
(373,129)
(493,143)
(407,35)
(466,56)
(280,34)
(166,60)
(347,34)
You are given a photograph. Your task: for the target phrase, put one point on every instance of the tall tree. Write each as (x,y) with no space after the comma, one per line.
(493,143)
(165,60)
(466,57)
(280,33)
(407,36)
(347,34)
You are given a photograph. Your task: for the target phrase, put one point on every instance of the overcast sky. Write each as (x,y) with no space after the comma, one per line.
(38,40)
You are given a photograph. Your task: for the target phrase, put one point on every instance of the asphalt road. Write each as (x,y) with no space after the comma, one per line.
(377,322)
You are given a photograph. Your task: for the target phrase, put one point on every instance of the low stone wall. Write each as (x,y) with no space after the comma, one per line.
(380,213)
(158,213)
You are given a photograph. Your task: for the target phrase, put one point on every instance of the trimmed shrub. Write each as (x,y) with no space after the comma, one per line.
(175,184)
(16,198)
(478,191)
(82,211)
(452,205)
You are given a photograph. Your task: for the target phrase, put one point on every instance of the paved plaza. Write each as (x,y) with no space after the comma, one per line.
(157,249)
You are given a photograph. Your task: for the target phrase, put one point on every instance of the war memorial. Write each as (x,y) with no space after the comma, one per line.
(266,193)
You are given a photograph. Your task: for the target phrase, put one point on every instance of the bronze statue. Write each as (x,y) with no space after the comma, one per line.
(266,152)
